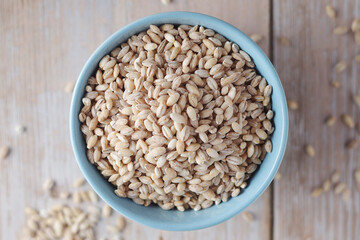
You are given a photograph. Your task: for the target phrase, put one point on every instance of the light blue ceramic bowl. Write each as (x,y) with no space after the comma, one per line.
(154,216)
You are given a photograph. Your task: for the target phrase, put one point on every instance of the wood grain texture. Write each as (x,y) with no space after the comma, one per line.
(44,45)
(306,70)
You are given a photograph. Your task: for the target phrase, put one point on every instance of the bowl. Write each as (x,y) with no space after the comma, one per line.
(153,215)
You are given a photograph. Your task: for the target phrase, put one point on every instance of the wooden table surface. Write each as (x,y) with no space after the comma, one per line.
(44,45)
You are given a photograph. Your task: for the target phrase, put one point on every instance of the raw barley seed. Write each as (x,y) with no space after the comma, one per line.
(330,11)
(341,30)
(310,150)
(173,103)
(248,216)
(256,37)
(317,192)
(340,67)
(48,184)
(348,120)
(330,121)
(357,178)
(339,188)
(78,182)
(335,177)
(4,152)
(293,105)
(284,41)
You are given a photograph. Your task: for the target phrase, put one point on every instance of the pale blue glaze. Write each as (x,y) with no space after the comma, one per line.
(153,215)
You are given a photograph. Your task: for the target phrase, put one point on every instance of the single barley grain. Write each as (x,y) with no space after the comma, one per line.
(340,67)
(335,177)
(78,182)
(76,197)
(330,11)
(293,105)
(48,184)
(20,129)
(310,150)
(353,143)
(106,211)
(348,121)
(69,87)
(357,38)
(278,176)
(357,58)
(330,121)
(357,178)
(64,195)
(339,188)
(256,37)
(355,25)
(317,192)
(93,196)
(335,84)
(341,30)
(327,185)
(4,152)
(284,41)
(248,216)
(356,100)
(346,194)
(165,2)
(120,223)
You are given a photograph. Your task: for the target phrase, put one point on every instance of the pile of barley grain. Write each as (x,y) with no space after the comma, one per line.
(67,221)
(177,116)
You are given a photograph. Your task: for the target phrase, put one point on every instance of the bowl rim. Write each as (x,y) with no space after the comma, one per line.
(78,92)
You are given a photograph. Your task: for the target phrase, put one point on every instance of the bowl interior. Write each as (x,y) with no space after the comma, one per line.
(154,216)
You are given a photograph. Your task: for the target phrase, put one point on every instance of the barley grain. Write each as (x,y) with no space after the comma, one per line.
(353,143)
(48,184)
(357,58)
(120,223)
(317,192)
(20,129)
(357,178)
(330,11)
(284,41)
(348,121)
(78,182)
(248,216)
(335,177)
(346,194)
(341,30)
(293,105)
(330,121)
(256,37)
(278,176)
(106,211)
(310,150)
(171,104)
(340,67)
(335,84)
(76,197)
(69,87)
(339,188)
(356,100)
(355,25)
(326,186)
(4,152)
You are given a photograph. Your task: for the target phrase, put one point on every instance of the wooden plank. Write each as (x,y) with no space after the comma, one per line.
(44,46)
(306,70)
